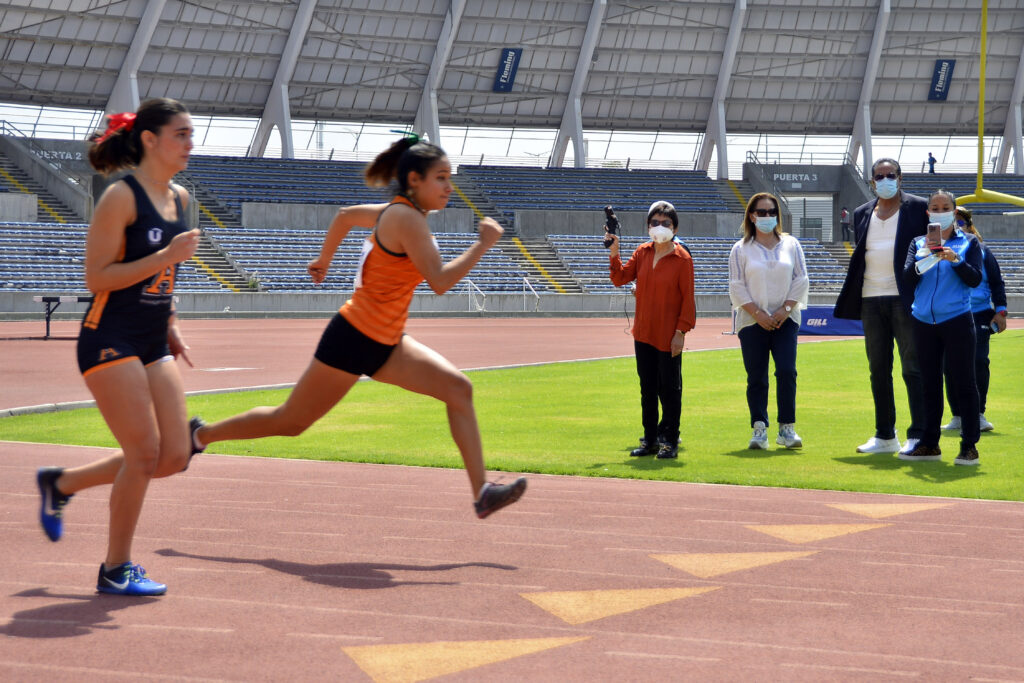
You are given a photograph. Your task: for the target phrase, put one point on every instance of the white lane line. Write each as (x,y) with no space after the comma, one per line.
(649,655)
(854,669)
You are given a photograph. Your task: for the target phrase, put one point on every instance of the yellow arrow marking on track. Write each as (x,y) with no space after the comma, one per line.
(579,607)
(410,662)
(805,533)
(706,565)
(881,510)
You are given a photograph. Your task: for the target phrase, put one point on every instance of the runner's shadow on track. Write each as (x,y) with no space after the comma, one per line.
(79,616)
(357,575)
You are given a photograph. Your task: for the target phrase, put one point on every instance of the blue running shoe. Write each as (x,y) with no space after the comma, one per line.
(51,509)
(128,579)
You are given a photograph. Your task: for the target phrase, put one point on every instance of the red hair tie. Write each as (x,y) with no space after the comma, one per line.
(116,123)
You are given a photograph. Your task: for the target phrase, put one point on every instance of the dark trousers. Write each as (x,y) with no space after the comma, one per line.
(757,343)
(661,380)
(846,231)
(956,339)
(885,320)
(983,332)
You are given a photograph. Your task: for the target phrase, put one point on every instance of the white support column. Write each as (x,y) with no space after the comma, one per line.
(714,134)
(1012,134)
(125,94)
(427,122)
(277,111)
(860,140)
(572,118)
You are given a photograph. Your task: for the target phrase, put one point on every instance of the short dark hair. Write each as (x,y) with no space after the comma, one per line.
(886,160)
(666,209)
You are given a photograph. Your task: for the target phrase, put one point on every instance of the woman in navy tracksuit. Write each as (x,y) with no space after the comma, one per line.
(988,305)
(944,325)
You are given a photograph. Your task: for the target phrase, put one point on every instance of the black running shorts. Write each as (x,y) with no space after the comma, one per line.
(98,349)
(345,348)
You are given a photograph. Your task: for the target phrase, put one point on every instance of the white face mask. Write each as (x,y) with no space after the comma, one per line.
(943,219)
(660,234)
(766,223)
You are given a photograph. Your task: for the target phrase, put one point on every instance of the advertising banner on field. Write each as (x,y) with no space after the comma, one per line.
(819,320)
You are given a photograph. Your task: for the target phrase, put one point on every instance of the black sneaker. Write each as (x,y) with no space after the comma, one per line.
(667,452)
(921,453)
(645,449)
(968,456)
(193,426)
(51,510)
(493,497)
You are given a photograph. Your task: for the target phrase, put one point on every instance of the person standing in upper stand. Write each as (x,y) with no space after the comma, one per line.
(875,294)
(666,310)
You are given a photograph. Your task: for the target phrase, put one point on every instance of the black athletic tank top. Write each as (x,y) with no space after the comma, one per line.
(144,306)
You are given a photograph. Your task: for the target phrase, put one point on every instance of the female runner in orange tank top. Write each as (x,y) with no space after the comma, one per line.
(366,336)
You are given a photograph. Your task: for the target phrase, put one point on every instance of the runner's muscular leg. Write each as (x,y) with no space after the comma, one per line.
(122,394)
(422,370)
(318,390)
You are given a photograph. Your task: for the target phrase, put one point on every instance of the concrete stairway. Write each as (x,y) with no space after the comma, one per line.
(481,201)
(725,188)
(542,265)
(49,208)
(838,251)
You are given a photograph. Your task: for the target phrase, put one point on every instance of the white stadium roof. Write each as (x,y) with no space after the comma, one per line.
(829,67)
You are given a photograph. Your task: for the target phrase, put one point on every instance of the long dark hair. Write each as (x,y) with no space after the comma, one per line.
(118,146)
(397,161)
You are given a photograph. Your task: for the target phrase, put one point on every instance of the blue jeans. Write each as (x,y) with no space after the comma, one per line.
(885,320)
(756,343)
(661,380)
(954,339)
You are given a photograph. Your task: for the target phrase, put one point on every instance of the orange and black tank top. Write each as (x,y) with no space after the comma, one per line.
(385,283)
(146,305)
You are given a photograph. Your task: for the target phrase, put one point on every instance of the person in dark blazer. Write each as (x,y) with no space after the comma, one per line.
(874,293)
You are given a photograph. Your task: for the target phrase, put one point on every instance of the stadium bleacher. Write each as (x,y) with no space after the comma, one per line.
(234,180)
(513,187)
(49,257)
(278,259)
(960,184)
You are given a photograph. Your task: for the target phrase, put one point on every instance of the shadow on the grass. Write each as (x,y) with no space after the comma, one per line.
(934,472)
(75,615)
(359,575)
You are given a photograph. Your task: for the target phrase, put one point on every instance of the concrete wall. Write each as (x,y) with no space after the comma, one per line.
(49,175)
(20,306)
(18,207)
(272,215)
(538,224)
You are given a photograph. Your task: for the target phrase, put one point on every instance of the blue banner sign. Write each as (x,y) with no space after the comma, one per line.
(941,78)
(819,320)
(506,75)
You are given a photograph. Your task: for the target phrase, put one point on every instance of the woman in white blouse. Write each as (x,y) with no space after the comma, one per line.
(768,286)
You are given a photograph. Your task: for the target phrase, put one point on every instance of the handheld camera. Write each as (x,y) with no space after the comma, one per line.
(611,226)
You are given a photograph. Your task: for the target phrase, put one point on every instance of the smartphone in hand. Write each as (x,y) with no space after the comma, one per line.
(933,239)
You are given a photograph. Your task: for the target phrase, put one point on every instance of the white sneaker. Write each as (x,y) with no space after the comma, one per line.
(788,436)
(909,446)
(984,424)
(954,423)
(760,436)
(876,445)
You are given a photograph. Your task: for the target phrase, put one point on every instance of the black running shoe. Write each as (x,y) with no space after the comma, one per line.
(193,426)
(968,456)
(493,497)
(51,509)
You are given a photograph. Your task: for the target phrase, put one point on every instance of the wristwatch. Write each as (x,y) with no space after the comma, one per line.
(788,308)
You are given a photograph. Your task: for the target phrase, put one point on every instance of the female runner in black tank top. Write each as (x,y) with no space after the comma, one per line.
(129,336)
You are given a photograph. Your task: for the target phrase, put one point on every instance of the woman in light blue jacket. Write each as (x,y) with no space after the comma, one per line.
(942,276)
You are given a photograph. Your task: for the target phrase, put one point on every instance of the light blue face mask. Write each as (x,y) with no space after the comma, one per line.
(766,223)
(886,189)
(943,219)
